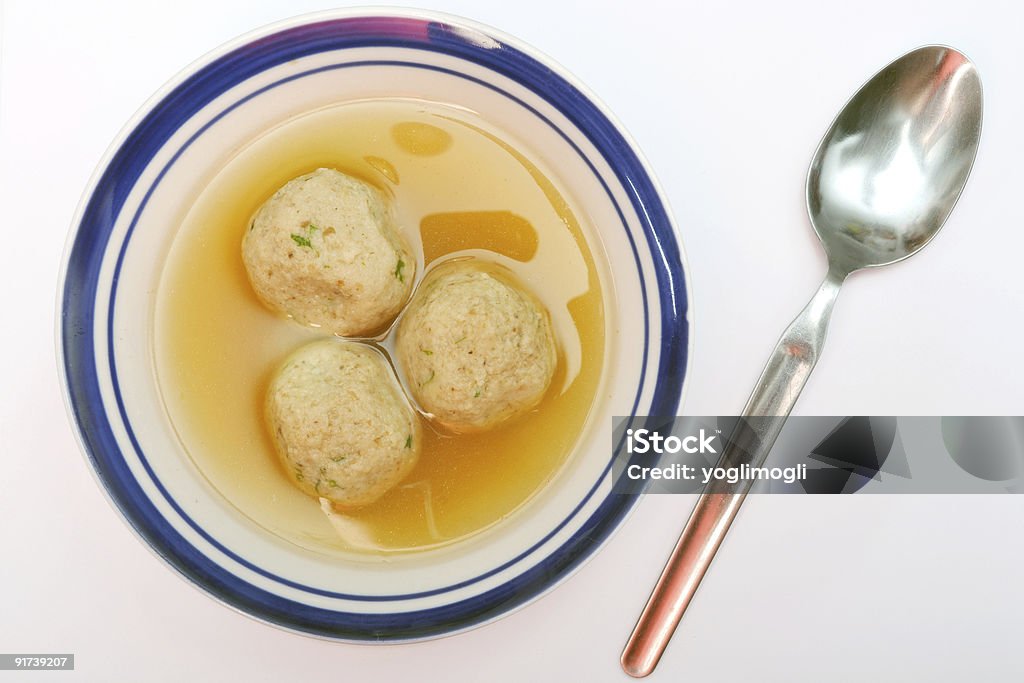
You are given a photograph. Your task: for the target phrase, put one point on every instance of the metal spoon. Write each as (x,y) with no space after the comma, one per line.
(882,182)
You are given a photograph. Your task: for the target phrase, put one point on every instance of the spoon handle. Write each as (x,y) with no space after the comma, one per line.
(773,397)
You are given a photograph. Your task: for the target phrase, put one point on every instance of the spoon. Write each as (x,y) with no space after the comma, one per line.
(882,182)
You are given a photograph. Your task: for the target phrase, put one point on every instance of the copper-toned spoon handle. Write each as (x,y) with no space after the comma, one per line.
(697,546)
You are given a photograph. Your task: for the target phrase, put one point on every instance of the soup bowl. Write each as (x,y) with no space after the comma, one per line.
(134,206)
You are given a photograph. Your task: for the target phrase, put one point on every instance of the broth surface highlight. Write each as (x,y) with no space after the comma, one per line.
(459,188)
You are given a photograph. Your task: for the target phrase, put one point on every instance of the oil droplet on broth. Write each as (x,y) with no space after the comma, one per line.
(502,232)
(463,190)
(421,139)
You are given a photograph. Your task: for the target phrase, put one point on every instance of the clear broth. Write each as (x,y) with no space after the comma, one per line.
(459,188)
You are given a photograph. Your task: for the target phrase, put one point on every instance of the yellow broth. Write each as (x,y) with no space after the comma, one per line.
(459,188)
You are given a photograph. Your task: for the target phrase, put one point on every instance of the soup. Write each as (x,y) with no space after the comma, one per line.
(459,188)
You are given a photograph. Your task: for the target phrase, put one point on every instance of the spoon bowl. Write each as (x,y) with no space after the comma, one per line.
(892,165)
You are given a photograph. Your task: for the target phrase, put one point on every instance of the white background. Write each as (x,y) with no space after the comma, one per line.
(728,102)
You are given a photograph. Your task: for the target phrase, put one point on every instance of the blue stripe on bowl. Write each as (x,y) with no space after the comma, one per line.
(93,235)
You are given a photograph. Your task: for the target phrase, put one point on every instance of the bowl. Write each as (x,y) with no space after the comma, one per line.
(126,224)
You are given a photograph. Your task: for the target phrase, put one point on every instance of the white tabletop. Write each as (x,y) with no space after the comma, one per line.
(728,102)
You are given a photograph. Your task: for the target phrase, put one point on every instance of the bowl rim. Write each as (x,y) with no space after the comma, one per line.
(676,348)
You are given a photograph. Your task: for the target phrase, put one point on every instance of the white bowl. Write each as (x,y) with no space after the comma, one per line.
(129,217)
